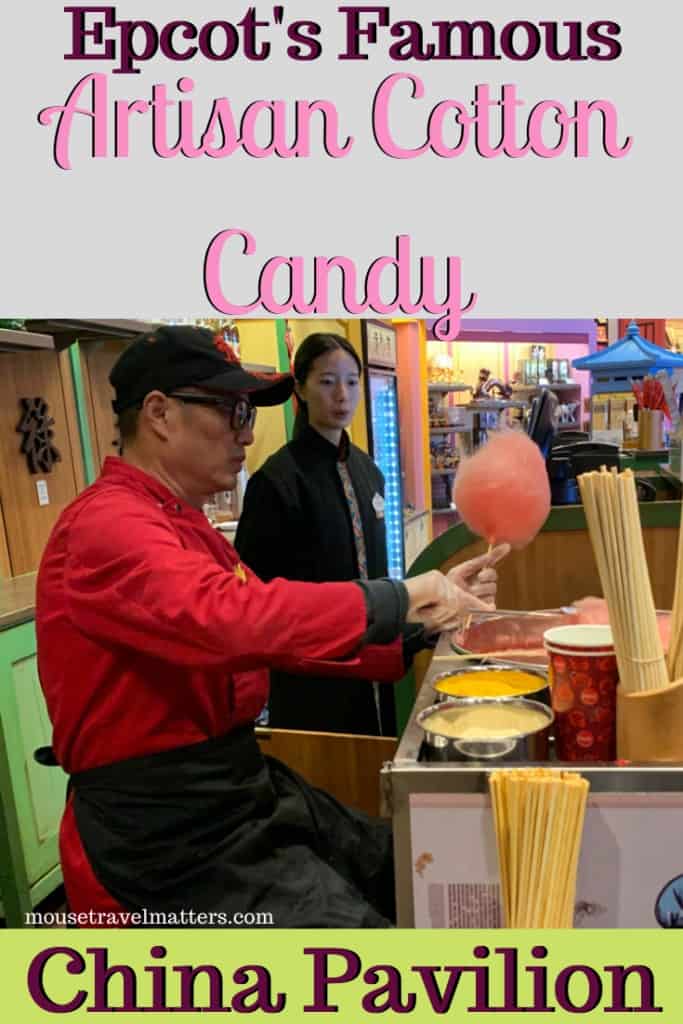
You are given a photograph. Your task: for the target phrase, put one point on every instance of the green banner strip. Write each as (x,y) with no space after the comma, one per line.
(487,976)
(284,367)
(82,411)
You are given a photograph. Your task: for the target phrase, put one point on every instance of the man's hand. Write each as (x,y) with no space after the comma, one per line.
(437,603)
(477,577)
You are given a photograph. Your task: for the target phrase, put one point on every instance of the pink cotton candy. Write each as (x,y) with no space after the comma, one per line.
(593,611)
(502,491)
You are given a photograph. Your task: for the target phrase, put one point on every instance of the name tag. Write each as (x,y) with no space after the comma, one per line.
(378,505)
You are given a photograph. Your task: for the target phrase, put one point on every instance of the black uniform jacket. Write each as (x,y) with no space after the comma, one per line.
(296,523)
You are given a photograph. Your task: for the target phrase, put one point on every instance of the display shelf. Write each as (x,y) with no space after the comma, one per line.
(449,510)
(494,405)
(528,388)
(444,388)
(411,515)
(18,341)
(65,332)
(450,430)
(451,471)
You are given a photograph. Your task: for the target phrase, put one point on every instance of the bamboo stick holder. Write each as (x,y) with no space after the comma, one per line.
(650,429)
(650,725)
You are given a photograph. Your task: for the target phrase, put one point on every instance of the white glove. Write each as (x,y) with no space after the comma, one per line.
(478,579)
(436,603)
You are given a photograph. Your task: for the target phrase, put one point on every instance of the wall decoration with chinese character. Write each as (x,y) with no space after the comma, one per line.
(36,426)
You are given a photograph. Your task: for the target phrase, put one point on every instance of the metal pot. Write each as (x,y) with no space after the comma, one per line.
(519,747)
(541,693)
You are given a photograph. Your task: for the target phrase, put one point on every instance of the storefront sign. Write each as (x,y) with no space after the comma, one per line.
(36,426)
(381,347)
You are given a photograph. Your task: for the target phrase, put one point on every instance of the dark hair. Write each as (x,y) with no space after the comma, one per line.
(310,349)
(127,424)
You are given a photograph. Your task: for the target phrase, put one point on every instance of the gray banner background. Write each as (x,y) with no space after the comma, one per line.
(558,237)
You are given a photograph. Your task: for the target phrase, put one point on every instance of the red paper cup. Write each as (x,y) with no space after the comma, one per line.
(583,686)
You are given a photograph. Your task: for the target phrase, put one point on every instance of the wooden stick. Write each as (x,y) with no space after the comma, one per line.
(619,594)
(654,674)
(529,861)
(496,784)
(539,815)
(580,797)
(542,846)
(590,484)
(515,820)
(612,514)
(468,620)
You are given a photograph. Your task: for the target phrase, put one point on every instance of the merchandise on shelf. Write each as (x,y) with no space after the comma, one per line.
(440,369)
(443,456)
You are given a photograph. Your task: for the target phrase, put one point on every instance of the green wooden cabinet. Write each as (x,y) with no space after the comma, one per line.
(31,796)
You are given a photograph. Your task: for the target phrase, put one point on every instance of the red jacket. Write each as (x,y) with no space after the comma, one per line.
(152,635)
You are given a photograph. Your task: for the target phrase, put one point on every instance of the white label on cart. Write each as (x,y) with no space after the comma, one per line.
(630,872)
(43,496)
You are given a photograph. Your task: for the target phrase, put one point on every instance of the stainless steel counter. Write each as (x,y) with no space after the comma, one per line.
(407,776)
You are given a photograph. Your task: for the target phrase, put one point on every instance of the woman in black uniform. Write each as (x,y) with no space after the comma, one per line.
(315,512)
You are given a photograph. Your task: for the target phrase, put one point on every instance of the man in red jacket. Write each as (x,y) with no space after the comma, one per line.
(154,642)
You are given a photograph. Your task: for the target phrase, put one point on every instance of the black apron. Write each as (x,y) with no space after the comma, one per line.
(218,827)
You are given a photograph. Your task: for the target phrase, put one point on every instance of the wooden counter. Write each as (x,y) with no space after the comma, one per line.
(17,600)
(558,566)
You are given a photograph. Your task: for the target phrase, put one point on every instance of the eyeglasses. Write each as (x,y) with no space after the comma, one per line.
(240,411)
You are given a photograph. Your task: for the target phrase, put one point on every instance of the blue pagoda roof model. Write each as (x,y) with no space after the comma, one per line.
(630,358)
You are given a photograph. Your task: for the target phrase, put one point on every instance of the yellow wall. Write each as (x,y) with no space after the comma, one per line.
(674,330)
(300,328)
(350,329)
(258,344)
(359,426)
(469,357)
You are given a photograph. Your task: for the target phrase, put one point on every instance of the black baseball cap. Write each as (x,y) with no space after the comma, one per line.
(171,357)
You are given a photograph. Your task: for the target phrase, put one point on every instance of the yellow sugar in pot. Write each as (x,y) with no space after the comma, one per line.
(489,682)
(489,721)
(485,729)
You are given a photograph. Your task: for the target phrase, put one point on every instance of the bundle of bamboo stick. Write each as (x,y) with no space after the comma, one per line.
(538,815)
(610,502)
